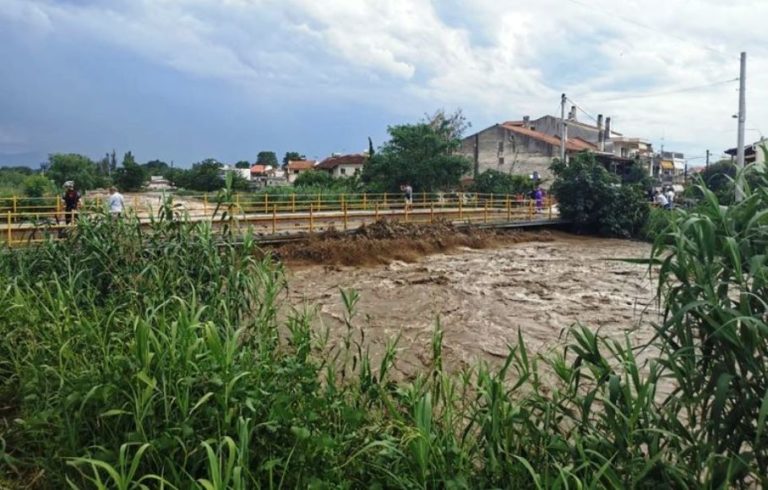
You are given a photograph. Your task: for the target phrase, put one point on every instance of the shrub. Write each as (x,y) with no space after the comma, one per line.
(313,178)
(38,185)
(495,182)
(595,202)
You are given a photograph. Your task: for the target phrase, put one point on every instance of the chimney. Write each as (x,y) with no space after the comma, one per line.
(607,136)
(600,134)
(572,114)
(526,121)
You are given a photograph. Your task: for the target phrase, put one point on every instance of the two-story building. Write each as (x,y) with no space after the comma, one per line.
(294,168)
(527,147)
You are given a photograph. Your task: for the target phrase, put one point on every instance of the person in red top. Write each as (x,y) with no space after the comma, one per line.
(71,201)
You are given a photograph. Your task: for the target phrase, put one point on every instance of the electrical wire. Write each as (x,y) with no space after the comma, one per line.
(636,23)
(670,92)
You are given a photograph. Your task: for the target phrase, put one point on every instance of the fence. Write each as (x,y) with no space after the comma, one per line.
(29,220)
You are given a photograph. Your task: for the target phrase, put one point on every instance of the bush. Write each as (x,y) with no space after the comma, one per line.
(314,178)
(495,182)
(38,186)
(594,201)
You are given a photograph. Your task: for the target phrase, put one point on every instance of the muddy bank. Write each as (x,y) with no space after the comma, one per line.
(386,241)
(483,296)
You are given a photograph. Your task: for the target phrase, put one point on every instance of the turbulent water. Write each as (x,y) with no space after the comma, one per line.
(482,297)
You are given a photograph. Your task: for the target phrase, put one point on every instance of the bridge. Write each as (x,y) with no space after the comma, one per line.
(285,216)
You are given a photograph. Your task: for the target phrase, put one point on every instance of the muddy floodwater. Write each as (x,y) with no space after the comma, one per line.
(482,298)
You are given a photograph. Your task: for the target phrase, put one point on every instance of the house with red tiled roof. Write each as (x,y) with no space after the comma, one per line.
(528,147)
(342,166)
(294,168)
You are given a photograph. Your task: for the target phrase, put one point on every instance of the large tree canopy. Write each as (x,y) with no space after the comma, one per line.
(78,168)
(267,158)
(418,154)
(131,176)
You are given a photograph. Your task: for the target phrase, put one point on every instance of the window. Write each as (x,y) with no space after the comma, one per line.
(624,152)
(343,171)
(501,160)
(501,148)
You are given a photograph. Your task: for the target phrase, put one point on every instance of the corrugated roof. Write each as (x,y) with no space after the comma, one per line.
(333,162)
(301,164)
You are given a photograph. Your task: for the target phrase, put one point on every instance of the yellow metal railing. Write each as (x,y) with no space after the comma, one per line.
(27,220)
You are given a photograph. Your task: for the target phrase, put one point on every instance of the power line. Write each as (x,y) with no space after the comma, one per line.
(670,92)
(636,23)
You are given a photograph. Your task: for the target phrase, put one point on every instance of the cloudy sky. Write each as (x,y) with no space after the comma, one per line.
(183,80)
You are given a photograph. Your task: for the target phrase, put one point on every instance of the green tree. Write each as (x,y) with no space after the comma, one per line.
(292,155)
(495,182)
(243,164)
(594,201)
(156,167)
(37,185)
(131,176)
(267,158)
(314,178)
(205,176)
(74,167)
(419,154)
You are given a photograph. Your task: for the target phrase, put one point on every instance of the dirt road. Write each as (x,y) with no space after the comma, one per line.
(482,297)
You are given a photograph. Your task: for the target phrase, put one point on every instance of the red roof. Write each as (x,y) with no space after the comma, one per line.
(333,162)
(301,164)
(259,169)
(571,144)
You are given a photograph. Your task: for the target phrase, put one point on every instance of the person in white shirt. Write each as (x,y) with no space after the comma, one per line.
(115,202)
(670,195)
(661,200)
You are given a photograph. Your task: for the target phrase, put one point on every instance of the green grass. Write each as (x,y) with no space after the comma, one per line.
(154,358)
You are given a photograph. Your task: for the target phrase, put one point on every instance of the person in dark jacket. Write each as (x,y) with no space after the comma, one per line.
(71,202)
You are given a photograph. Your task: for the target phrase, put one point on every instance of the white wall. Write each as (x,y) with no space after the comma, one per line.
(343,171)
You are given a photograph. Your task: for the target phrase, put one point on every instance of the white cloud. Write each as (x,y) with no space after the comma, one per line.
(409,57)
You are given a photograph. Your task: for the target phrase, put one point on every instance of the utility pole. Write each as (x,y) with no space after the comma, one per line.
(563,133)
(742,120)
(707,164)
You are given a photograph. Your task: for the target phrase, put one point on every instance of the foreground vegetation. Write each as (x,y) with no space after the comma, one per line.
(136,358)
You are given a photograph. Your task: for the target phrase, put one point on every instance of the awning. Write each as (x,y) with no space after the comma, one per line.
(667,165)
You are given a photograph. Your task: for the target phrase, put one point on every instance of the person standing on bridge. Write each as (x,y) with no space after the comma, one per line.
(115,203)
(538,196)
(408,191)
(71,201)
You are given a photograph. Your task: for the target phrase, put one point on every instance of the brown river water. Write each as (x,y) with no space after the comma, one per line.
(483,297)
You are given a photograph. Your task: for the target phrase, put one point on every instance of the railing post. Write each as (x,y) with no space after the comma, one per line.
(385,198)
(319,204)
(15,210)
(424,198)
(237,201)
(274,218)
(344,206)
(530,210)
(491,199)
(509,209)
(10,233)
(266,203)
(485,213)
(343,202)
(365,201)
(311,217)
(376,211)
(406,213)
(293,203)
(461,208)
(431,212)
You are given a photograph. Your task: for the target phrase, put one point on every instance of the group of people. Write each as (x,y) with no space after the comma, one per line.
(665,198)
(71,202)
